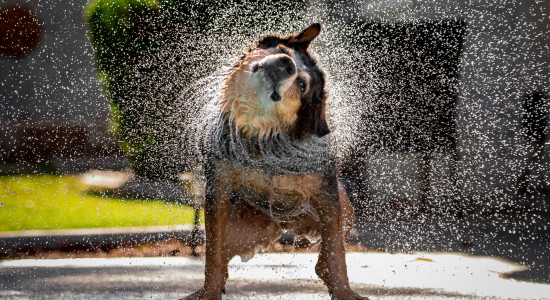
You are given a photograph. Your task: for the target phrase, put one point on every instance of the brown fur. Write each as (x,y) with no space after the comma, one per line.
(253,119)
(246,209)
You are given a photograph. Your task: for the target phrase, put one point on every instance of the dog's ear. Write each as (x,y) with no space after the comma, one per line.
(321,124)
(304,38)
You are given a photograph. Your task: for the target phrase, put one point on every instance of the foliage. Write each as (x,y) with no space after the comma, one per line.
(41,202)
(148,51)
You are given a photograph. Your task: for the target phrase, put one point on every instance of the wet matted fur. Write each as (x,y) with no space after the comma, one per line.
(270,166)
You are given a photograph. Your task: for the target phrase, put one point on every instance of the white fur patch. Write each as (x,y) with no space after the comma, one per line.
(262,87)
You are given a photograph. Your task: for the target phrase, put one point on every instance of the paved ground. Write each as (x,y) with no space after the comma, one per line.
(523,239)
(268,276)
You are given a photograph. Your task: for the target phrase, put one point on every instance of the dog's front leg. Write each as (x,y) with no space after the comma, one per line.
(216,210)
(331,266)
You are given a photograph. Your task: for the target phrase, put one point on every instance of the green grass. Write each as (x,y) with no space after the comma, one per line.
(42,202)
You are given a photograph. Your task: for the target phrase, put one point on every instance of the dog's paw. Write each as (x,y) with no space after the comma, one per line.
(359,297)
(201,295)
(195,296)
(353,296)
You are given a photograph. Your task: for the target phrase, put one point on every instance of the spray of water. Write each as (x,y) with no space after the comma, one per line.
(395,69)
(208,134)
(419,129)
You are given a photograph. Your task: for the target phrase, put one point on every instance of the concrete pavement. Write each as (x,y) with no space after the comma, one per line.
(523,239)
(268,276)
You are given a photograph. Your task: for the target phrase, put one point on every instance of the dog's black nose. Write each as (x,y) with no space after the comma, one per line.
(278,67)
(287,65)
(275,96)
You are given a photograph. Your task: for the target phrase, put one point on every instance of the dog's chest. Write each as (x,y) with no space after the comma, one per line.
(278,195)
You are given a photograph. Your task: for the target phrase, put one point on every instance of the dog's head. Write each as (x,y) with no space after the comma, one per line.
(278,87)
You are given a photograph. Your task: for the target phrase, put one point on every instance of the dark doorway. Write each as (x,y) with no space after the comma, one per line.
(415,69)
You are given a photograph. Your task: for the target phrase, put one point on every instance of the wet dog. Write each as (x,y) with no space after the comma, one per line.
(270,166)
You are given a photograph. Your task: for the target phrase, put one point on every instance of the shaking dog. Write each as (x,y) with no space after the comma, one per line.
(270,166)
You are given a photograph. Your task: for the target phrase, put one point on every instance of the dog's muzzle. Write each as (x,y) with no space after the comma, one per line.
(277,69)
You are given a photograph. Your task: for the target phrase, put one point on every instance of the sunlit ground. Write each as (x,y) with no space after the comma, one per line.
(272,276)
(41,202)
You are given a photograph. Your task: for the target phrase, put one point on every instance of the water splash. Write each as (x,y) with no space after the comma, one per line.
(205,134)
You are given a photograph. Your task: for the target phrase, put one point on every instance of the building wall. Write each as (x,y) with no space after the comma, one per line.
(53,90)
(505,55)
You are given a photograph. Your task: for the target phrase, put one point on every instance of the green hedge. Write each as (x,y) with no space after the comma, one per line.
(147,51)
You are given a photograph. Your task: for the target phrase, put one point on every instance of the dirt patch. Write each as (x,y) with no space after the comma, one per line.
(172,247)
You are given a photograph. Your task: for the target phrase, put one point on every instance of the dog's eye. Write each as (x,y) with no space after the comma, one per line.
(301,85)
(255,68)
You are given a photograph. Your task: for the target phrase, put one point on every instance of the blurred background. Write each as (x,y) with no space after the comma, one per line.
(441,108)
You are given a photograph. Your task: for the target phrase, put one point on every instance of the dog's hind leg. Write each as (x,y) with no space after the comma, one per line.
(336,219)
(246,231)
(216,211)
